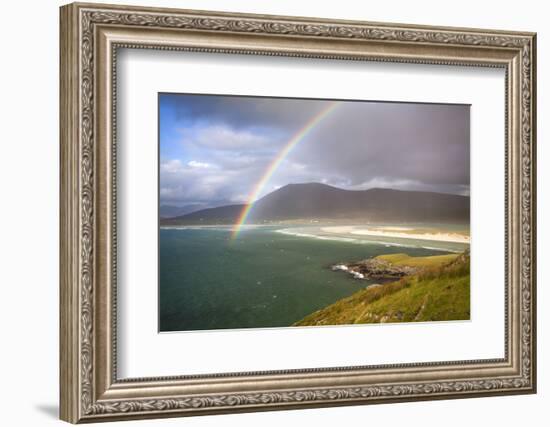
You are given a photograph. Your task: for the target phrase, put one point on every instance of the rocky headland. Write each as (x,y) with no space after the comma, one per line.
(425,289)
(375,268)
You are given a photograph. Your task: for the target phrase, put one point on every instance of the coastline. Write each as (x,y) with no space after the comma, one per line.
(439,238)
(406,237)
(258,285)
(425,289)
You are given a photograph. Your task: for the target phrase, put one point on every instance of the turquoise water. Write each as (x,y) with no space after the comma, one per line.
(261,279)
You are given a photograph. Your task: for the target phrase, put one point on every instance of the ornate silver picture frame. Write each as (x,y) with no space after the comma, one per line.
(91,35)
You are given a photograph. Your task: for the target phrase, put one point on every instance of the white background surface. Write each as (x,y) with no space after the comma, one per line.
(145,353)
(29,172)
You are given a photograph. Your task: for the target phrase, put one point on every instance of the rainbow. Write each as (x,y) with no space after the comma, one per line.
(292,142)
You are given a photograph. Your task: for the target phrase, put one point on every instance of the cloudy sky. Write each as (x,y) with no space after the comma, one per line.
(215,149)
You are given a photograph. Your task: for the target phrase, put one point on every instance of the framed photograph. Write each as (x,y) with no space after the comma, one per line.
(265,212)
(264,199)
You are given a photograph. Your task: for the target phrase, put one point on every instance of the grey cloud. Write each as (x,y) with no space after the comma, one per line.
(428,144)
(361,145)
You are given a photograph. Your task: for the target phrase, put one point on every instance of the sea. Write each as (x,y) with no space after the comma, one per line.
(264,278)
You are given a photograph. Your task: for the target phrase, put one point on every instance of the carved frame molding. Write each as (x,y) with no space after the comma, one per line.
(90,36)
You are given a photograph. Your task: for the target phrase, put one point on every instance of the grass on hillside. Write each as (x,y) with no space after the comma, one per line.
(436,293)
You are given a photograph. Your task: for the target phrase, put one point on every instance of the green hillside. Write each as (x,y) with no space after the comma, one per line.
(440,290)
(419,261)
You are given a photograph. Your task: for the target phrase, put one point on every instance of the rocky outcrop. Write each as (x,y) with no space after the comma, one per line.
(440,290)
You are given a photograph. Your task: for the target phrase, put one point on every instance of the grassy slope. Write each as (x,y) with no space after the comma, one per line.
(441,291)
(420,261)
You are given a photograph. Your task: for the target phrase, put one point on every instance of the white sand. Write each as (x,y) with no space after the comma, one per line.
(395,228)
(394,232)
(339,229)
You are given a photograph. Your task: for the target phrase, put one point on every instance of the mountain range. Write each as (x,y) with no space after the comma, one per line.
(316,201)
(171,211)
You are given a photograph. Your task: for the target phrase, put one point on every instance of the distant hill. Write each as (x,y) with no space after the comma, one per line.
(221,215)
(315,201)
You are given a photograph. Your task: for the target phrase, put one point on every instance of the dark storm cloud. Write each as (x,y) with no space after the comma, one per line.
(241,112)
(218,147)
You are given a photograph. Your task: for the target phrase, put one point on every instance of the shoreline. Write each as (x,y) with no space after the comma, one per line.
(420,287)
(446,242)
(439,239)
(212,226)
(400,233)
